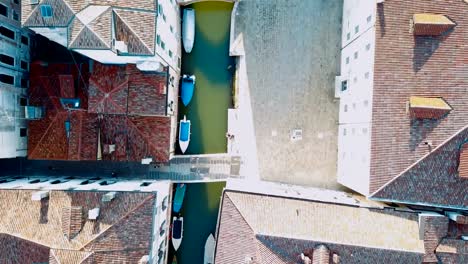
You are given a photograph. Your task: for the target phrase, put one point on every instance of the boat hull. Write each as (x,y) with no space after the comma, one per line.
(209,250)
(187,89)
(184,134)
(178,224)
(179,197)
(188,29)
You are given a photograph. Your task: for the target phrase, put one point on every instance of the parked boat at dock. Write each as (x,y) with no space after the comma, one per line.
(184,134)
(209,250)
(177,231)
(188,29)
(179,197)
(187,88)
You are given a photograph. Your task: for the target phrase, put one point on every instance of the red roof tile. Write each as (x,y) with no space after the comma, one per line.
(408,65)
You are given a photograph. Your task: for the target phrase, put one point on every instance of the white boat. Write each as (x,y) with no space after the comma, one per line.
(184,134)
(188,29)
(177,231)
(209,250)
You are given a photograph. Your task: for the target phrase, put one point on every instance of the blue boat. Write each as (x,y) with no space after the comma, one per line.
(179,197)
(188,86)
(184,134)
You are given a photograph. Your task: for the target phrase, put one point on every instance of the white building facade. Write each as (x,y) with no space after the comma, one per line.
(15,45)
(354,88)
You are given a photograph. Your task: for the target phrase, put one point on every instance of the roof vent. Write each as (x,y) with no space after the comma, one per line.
(305,259)
(120,47)
(37,196)
(321,255)
(93,214)
(296,134)
(108,197)
(431,24)
(248,260)
(109,148)
(428,107)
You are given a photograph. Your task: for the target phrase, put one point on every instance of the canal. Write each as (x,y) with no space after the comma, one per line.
(200,212)
(213,68)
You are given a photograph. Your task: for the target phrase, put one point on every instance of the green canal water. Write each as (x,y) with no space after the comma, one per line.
(209,61)
(200,212)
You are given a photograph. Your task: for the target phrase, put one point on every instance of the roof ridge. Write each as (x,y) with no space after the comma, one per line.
(237,209)
(86,27)
(131,29)
(118,221)
(420,159)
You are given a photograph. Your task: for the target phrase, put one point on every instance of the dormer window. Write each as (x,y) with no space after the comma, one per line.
(46,11)
(463,162)
(431,24)
(428,107)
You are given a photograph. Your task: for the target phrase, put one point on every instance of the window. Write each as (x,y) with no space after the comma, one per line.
(7,59)
(16,1)
(164,17)
(24,83)
(25,40)
(170,53)
(368,47)
(46,11)
(172,29)
(346,108)
(344,86)
(160,9)
(356,29)
(369,18)
(356,54)
(178,62)
(24,65)
(158,39)
(15,15)
(23,101)
(344,131)
(23,132)
(347,60)
(7,33)
(364,130)
(3,10)
(163,45)
(348,36)
(8,79)
(366,103)
(366,75)
(355,79)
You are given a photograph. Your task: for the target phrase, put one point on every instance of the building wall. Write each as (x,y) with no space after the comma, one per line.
(14,64)
(168,28)
(161,222)
(357,63)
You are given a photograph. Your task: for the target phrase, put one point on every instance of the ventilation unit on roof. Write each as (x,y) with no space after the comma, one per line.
(93,214)
(37,196)
(296,134)
(108,197)
(120,47)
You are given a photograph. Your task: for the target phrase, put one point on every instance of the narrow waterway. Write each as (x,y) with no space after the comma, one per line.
(200,212)
(209,61)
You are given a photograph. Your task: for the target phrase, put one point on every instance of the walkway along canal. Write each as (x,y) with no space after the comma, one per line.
(209,61)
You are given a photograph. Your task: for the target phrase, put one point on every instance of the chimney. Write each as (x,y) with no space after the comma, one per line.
(37,196)
(463,162)
(72,221)
(432,228)
(93,214)
(431,24)
(108,197)
(321,255)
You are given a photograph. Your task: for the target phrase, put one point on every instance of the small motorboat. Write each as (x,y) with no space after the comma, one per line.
(184,134)
(187,88)
(209,250)
(179,197)
(177,231)
(188,29)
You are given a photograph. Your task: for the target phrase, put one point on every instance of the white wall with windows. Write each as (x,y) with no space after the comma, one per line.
(161,223)
(15,46)
(168,33)
(357,64)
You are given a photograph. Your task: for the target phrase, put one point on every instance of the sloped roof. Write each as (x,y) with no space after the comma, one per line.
(284,224)
(124,224)
(91,28)
(433,180)
(31,14)
(18,250)
(426,66)
(135,28)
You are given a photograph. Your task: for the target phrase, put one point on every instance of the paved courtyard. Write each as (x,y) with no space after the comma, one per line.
(292,57)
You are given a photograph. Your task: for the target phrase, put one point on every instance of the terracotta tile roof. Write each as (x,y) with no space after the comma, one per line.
(132,27)
(31,14)
(126,108)
(122,229)
(452,251)
(17,250)
(433,229)
(426,66)
(288,227)
(463,161)
(433,180)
